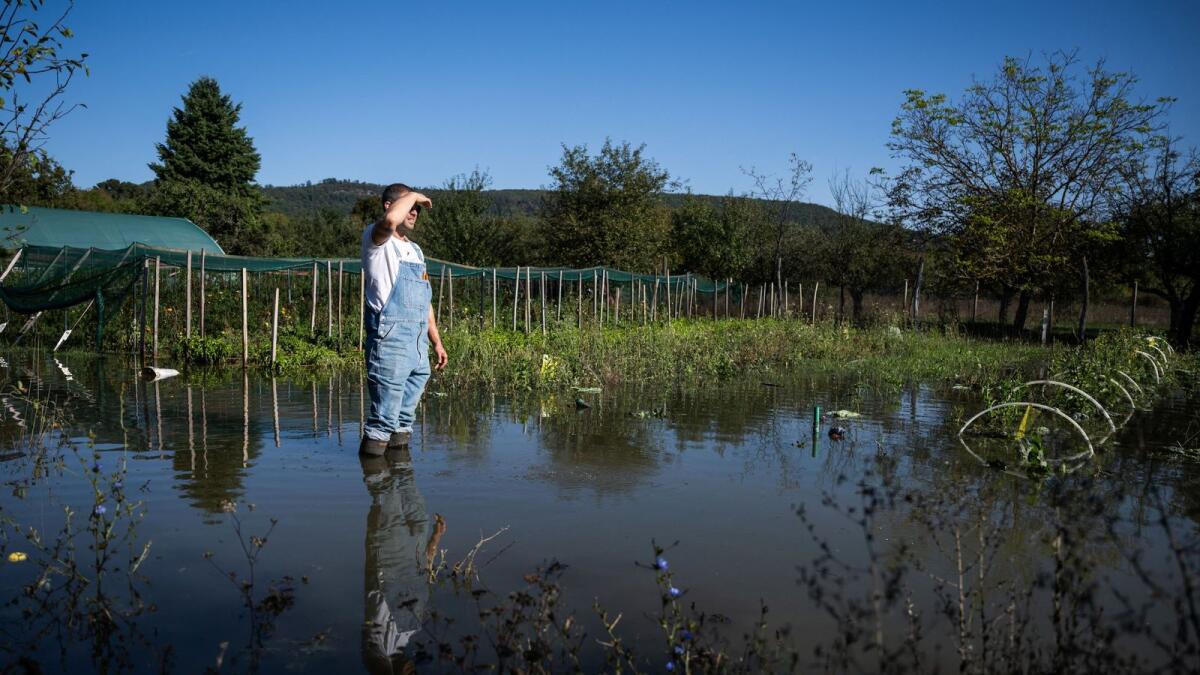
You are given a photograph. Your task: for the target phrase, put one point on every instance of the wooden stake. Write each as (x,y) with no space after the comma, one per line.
(654,301)
(906,296)
(313,324)
(800,295)
(669,307)
(245,324)
(516,297)
(275,334)
(817,285)
(187,295)
(493,297)
(329,297)
(362,306)
(203,281)
(560,283)
(528,297)
(157,270)
(341,269)
(543,298)
(441,293)
(579,301)
(450,319)
(1133,305)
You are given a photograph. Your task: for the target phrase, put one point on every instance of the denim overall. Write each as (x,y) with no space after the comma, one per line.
(397,352)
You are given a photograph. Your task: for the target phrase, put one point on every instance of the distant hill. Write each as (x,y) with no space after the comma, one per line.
(340,195)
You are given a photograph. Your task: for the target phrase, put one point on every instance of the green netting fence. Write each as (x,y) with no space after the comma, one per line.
(45,278)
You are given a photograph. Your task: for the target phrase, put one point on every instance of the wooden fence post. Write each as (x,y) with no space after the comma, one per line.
(329,297)
(441,293)
(157,270)
(543,294)
(245,324)
(362,305)
(203,255)
(560,283)
(275,329)
(668,283)
(528,297)
(654,301)
(493,298)
(817,285)
(313,324)
(1133,305)
(516,297)
(579,300)
(975,304)
(187,295)
(341,268)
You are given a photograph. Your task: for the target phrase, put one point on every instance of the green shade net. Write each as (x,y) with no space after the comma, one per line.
(53,278)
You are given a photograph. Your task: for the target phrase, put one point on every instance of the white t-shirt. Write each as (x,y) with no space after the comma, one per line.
(381,264)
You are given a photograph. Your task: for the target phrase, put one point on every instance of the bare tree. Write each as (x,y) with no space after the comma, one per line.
(34,76)
(862,253)
(782,193)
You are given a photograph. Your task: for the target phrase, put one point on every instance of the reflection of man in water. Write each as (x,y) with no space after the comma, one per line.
(395,584)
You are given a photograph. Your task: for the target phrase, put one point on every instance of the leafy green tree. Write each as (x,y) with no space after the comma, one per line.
(36,180)
(206,171)
(1159,215)
(713,241)
(459,227)
(607,209)
(34,77)
(1020,167)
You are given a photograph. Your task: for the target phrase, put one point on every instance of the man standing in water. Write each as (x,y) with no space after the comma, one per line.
(399,317)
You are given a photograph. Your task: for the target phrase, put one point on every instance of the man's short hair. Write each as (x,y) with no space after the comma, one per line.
(393,192)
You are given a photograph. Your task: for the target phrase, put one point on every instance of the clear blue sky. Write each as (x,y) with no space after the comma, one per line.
(383,91)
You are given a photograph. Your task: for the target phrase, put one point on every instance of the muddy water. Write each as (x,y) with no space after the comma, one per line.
(721,470)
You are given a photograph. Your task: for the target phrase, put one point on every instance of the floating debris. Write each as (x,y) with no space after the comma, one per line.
(152,374)
(17,556)
(588,390)
(844,415)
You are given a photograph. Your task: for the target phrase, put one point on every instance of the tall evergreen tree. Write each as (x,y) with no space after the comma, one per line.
(206,171)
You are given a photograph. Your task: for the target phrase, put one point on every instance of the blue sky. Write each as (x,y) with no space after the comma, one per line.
(383,91)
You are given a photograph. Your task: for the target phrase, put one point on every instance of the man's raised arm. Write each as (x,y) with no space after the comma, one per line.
(394,216)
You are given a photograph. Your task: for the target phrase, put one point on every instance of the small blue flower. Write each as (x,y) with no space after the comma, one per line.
(670,665)
(118,485)
(100,510)
(679,649)
(660,563)
(686,635)
(674,592)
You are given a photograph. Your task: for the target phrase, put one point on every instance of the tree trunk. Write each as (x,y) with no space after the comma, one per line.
(1005,299)
(1022,314)
(856,300)
(1183,319)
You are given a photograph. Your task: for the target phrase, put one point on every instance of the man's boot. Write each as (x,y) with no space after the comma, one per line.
(372,447)
(399,439)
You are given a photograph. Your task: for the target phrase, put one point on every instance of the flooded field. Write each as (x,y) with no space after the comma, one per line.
(749,504)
